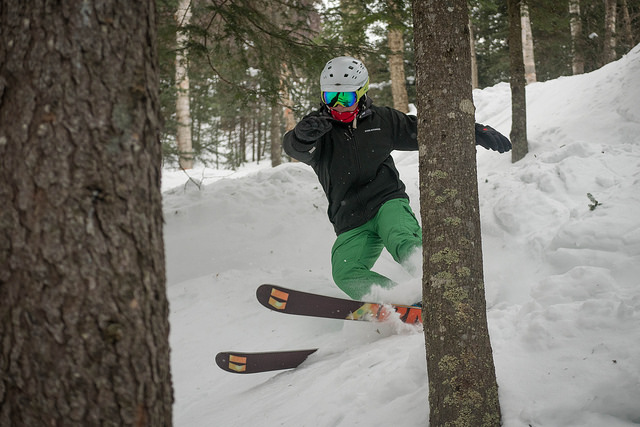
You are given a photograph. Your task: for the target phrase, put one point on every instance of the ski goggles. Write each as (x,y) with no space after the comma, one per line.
(346,99)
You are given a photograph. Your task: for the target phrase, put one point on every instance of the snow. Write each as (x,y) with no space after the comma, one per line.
(562,280)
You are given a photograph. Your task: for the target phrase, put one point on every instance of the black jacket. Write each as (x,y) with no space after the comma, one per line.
(354,163)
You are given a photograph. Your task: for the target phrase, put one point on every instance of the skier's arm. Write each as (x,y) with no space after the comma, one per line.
(299,150)
(301,142)
(407,129)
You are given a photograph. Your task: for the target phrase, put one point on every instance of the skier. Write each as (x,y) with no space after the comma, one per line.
(348,142)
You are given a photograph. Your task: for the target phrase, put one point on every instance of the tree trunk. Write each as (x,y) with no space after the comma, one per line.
(626,22)
(462,383)
(527,45)
(577,61)
(396,68)
(259,124)
(242,141)
(83,307)
(474,60)
(289,118)
(517,81)
(276,136)
(253,139)
(395,40)
(609,51)
(183,111)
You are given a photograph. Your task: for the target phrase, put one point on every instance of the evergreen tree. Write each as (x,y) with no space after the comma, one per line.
(247,56)
(84,317)
(237,50)
(491,28)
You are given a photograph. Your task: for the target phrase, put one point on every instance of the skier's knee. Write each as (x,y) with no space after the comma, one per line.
(357,281)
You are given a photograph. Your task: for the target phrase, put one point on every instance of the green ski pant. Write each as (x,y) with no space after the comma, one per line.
(354,252)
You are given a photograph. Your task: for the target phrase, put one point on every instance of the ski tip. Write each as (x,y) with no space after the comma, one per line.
(222,360)
(229,362)
(263,288)
(262,294)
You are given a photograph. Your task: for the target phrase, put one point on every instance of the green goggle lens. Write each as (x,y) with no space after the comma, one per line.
(346,99)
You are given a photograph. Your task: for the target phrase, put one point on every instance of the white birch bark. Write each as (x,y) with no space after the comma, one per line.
(183,110)
(474,61)
(527,45)
(577,62)
(610,31)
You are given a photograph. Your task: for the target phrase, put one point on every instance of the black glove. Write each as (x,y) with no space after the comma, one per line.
(311,128)
(491,139)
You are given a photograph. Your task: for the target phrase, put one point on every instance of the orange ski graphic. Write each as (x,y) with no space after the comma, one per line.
(278,299)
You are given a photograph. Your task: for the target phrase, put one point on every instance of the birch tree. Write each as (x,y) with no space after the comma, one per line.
(183,111)
(609,48)
(577,54)
(527,45)
(474,59)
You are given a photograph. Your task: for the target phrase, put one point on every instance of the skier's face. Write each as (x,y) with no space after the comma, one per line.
(341,109)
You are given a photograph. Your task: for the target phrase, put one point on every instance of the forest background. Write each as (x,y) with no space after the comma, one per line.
(251,67)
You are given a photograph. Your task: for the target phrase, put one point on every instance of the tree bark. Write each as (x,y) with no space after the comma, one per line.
(395,40)
(396,68)
(474,60)
(242,141)
(518,133)
(609,50)
(183,110)
(83,308)
(577,61)
(462,383)
(527,45)
(276,136)
(289,118)
(626,22)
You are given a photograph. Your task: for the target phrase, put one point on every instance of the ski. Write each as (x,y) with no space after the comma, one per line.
(291,301)
(252,363)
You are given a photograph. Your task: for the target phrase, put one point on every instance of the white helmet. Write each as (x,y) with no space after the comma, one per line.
(344,74)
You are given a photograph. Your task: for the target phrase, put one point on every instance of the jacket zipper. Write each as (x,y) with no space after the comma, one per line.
(353,141)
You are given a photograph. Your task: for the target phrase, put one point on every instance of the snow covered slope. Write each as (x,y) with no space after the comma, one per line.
(562,279)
